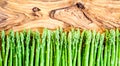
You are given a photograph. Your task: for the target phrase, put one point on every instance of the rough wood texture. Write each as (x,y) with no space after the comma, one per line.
(52,14)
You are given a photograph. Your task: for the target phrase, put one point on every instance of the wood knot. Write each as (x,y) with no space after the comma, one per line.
(36,9)
(80,5)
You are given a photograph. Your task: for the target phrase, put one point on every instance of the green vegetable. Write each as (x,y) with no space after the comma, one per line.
(7,51)
(116,46)
(112,41)
(79,49)
(57,49)
(92,48)
(69,49)
(18,49)
(119,51)
(51,49)
(48,48)
(109,49)
(97,38)
(100,49)
(66,46)
(75,47)
(11,35)
(42,48)
(27,48)
(32,48)
(3,44)
(105,49)
(22,47)
(0,59)
(87,47)
(37,37)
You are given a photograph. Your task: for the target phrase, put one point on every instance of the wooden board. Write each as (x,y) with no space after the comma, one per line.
(52,14)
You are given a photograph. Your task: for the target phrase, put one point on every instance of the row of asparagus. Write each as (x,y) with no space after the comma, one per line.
(59,48)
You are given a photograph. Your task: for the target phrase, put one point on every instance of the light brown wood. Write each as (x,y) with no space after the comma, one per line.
(37,14)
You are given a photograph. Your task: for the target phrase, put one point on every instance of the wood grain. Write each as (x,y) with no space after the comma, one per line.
(52,14)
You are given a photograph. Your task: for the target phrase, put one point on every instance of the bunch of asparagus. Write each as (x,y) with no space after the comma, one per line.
(59,48)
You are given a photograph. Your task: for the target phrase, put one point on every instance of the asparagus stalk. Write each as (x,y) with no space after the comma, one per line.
(51,49)
(117,44)
(66,46)
(18,49)
(105,49)
(87,46)
(37,37)
(42,49)
(119,51)
(61,46)
(57,49)
(27,48)
(48,48)
(92,48)
(79,49)
(22,47)
(109,49)
(101,58)
(3,44)
(32,50)
(69,49)
(7,51)
(100,49)
(76,38)
(63,60)
(73,45)
(0,59)
(11,35)
(97,38)
(16,60)
(112,32)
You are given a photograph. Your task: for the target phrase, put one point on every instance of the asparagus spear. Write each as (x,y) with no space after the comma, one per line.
(11,35)
(22,45)
(7,51)
(76,38)
(61,46)
(37,37)
(97,38)
(0,59)
(57,49)
(16,60)
(3,44)
(92,48)
(117,43)
(32,50)
(48,48)
(69,49)
(63,58)
(119,51)
(109,49)
(112,41)
(51,49)
(79,49)
(87,46)
(100,49)
(73,45)
(66,46)
(101,57)
(64,50)
(105,49)
(27,48)
(18,49)
(42,49)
